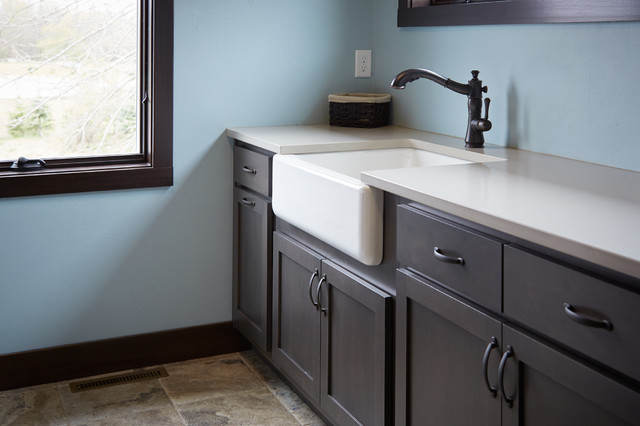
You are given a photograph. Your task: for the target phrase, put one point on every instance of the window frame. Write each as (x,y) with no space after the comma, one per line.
(153,167)
(420,13)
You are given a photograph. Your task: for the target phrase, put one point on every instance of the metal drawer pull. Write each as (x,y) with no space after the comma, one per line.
(248,202)
(589,322)
(447,259)
(315,274)
(503,363)
(322,281)
(485,365)
(248,170)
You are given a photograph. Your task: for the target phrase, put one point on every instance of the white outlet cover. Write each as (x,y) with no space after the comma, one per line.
(363,63)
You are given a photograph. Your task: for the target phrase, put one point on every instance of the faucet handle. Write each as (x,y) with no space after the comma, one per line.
(482,124)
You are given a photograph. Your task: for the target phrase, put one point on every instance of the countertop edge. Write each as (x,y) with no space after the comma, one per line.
(595,255)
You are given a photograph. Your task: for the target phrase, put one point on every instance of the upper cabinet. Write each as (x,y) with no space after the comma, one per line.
(417,13)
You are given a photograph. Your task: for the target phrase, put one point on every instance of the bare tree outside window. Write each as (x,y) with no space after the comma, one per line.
(68,78)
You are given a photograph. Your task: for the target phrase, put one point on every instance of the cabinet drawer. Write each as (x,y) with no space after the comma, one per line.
(594,317)
(252,170)
(464,261)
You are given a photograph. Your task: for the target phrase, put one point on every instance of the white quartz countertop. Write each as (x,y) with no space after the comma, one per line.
(585,210)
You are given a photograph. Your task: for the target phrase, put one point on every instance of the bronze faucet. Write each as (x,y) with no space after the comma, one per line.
(476,125)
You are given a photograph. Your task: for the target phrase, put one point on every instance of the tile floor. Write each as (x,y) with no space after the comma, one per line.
(232,389)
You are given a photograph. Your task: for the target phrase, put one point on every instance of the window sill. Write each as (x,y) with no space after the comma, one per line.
(59,181)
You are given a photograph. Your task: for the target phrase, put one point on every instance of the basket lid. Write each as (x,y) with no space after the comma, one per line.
(371,98)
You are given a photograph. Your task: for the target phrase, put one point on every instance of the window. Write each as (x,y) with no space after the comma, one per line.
(85,99)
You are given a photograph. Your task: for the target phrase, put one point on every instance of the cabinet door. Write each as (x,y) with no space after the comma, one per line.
(356,338)
(549,388)
(441,343)
(296,322)
(252,267)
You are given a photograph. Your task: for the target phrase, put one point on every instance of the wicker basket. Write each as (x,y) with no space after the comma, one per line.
(359,110)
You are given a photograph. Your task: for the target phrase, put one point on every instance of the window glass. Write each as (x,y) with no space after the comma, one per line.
(68,78)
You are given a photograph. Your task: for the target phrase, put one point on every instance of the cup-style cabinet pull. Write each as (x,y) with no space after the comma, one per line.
(570,311)
(485,366)
(248,170)
(314,275)
(447,259)
(503,364)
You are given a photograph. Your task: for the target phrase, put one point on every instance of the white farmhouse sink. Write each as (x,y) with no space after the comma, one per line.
(352,163)
(322,193)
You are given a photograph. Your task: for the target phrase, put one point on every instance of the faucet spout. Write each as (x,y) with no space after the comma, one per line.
(407,76)
(474,89)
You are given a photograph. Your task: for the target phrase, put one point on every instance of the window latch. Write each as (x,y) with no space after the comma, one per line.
(23,164)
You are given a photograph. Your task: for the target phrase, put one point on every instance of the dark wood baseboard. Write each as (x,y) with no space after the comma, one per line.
(122,353)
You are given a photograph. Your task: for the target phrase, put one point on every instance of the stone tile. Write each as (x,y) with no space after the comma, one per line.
(189,382)
(243,408)
(114,401)
(261,369)
(40,405)
(298,408)
(226,389)
(166,416)
(283,393)
(234,355)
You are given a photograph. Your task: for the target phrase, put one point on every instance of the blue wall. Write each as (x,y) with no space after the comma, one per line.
(83,267)
(569,90)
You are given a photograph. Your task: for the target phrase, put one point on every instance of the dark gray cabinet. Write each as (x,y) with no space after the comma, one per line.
(441,343)
(332,335)
(252,267)
(252,232)
(486,330)
(464,261)
(543,386)
(583,312)
(356,331)
(296,320)
(252,169)
(459,363)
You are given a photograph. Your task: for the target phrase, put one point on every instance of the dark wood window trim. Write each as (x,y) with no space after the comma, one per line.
(152,168)
(415,13)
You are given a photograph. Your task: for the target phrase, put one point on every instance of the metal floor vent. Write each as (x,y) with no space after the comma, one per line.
(118,379)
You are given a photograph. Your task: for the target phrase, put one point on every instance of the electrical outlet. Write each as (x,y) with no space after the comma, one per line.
(363,63)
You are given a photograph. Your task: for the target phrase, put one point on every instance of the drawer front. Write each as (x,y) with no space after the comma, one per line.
(591,316)
(455,257)
(252,170)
